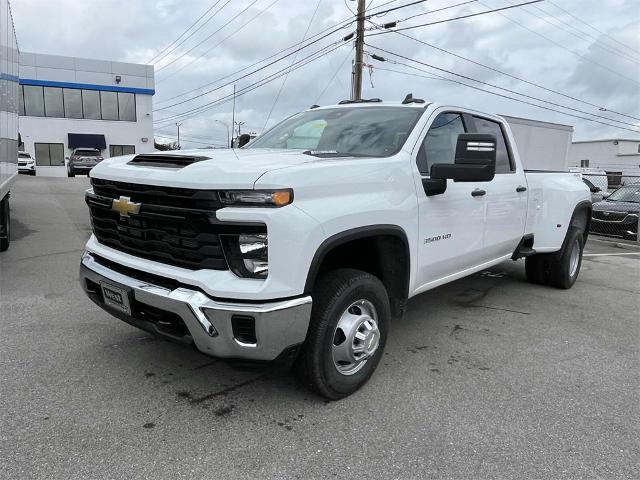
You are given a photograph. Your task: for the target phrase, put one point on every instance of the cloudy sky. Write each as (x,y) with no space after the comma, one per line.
(585,49)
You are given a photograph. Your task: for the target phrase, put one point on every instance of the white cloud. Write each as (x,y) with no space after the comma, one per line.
(136,30)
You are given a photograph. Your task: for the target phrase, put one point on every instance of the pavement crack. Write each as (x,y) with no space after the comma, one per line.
(220,393)
(501,309)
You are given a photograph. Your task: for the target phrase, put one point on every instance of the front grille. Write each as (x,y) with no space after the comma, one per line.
(609,216)
(175,226)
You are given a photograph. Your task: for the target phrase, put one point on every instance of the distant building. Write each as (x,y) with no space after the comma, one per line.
(618,157)
(67,102)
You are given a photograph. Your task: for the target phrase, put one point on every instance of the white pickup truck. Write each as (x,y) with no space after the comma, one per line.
(306,243)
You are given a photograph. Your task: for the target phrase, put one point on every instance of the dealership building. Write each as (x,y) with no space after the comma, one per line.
(67,102)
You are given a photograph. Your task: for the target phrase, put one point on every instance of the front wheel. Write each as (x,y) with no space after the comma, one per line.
(347,333)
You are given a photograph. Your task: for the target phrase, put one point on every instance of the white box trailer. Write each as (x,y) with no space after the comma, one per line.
(541,145)
(8,117)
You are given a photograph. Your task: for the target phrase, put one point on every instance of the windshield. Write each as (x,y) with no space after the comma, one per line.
(24,155)
(363,131)
(630,193)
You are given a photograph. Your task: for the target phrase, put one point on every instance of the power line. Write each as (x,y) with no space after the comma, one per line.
(220,42)
(207,38)
(591,26)
(434,11)
(334,75)
(507,90)
(186,30)
(580,33)
(284,80)
(334,28)
(470,15)
(599,107)
(562,46)
(310,58)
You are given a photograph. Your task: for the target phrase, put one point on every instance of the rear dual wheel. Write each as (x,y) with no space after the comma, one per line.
(347,333)
(558,269)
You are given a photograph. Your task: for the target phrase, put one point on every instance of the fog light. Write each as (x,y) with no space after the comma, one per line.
(247,254)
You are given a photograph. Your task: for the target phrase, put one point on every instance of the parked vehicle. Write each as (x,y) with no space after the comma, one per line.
(306,244)
(26,164)
(82,160)
(617,214)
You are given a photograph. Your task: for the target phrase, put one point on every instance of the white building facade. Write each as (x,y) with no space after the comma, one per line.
(68,102)
(618,158)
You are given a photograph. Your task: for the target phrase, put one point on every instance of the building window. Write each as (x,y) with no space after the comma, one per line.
(33,101)
(53,105)
(584,163)
(49,154)
(127,106)
(91,104)
(117,150)
(72,102)
(614,180)
(109,104)
(20,101)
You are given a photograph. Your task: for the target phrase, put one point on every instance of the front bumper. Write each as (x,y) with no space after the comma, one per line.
(27,168)
(190,316)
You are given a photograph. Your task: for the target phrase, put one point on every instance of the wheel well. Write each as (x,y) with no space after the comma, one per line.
(384,255)
(581,218)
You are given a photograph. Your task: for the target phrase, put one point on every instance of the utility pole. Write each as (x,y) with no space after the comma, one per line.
(239,124)
(233,114)
(178,125)
(356,93)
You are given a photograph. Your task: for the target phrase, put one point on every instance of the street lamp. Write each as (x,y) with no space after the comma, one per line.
(178,125)
(227,127)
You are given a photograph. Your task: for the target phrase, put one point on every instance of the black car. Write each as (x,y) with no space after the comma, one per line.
(617,215)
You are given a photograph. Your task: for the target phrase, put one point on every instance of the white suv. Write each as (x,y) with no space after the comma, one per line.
(26,164)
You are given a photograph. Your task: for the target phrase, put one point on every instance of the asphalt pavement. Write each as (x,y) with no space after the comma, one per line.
(487,377)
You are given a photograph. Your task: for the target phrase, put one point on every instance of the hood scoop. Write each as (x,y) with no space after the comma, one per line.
(166,161)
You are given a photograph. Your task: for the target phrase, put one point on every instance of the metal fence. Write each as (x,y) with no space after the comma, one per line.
(613,219)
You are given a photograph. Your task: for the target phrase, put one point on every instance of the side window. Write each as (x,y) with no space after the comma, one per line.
(503,160)
(439,145)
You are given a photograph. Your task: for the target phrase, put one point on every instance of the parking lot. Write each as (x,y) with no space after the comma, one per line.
(487,377)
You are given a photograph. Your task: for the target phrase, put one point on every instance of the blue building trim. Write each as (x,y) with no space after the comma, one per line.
(10,78)
(86,86)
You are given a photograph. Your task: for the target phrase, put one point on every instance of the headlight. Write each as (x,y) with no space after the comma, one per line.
(257,198)
(247,254)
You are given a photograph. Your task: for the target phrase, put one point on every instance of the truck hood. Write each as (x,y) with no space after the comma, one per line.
(617,206)
(238,168)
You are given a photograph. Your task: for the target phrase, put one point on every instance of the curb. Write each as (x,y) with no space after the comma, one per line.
(616,244)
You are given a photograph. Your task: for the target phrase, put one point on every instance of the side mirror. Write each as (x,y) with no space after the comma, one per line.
(475,160)
(596,190)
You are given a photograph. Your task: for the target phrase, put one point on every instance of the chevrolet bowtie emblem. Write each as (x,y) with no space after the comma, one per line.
(125,207)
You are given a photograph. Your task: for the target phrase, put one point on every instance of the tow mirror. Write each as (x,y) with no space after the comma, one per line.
(243,140)
(475,160)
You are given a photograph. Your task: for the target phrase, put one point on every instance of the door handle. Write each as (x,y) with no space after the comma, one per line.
(521,189)
(478,193)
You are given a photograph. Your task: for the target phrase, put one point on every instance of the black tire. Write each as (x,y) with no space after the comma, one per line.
(561,274)
(71,172)
(5,224)
(537,269)
(33,174)
(335,292)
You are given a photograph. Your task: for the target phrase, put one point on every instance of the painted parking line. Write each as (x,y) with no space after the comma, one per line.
(608,254)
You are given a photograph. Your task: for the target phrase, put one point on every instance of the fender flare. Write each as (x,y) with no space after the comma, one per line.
(587,207)
(356,234)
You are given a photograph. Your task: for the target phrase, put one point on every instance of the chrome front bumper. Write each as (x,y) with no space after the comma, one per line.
(279,325)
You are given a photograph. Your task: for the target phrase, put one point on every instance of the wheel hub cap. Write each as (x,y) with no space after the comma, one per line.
(356,337)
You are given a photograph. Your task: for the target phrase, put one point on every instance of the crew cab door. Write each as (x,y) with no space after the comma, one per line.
(451,224)
(506,197)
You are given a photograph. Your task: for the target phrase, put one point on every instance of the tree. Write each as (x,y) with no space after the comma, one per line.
(165,146)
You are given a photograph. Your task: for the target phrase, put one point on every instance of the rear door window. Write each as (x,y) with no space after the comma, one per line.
(503,158)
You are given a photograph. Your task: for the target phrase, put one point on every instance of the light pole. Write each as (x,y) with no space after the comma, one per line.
(178,125)
(239,124)
(227,127)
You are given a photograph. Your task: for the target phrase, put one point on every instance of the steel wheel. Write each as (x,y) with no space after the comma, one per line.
(356,337)
(574,259)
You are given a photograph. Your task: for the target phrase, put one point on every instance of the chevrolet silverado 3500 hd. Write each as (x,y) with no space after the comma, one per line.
(308,242)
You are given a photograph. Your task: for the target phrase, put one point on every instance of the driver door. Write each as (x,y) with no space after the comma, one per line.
(451,224)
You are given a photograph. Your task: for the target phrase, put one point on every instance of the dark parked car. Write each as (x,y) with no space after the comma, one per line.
(617,214)
(82,160)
